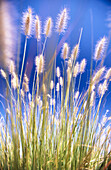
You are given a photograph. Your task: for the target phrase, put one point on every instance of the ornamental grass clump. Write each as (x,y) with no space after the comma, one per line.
(53,124)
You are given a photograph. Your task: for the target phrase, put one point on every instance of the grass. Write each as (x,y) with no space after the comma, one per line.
(56,127)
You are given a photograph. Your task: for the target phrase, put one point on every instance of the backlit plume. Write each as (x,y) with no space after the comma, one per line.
(76,70)
(48,27)
(100,48)
(62,21)
(39,63)
(108,74)
(27,22)
(98,75)
(58,72)
(37,28)
(82,65)
(65,51)
(75,52)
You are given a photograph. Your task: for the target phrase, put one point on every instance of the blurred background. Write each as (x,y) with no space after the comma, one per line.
(91,15)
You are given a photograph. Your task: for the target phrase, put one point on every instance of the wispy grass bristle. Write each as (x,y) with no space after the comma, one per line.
(54,122)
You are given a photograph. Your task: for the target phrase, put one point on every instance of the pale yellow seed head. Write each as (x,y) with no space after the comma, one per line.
(26,79)
(11,67)
(48,27)
(51,84)
(26,87)
(57,87)
(92,98)
(27,22)
(3,74)
(65,51)
(76,95)
(61,81)
(75,52)
(100,48)
(82,65)
(37,28)
(41,64)
(58,72)
(70,63)
(22,93)
(108,74)
(76,70)
(98,75)
(44,88)
(62,21)
(14,81)
(8,111)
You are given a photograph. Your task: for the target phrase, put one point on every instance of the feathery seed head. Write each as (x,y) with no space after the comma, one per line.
(70,63)
(105,86)
(3,74)
(51,84)
(98,75)
(39,63)
(14,81)
(76,95)
(26,87)
(48,27)
(76,70)
(65,51)
(8,111)
(61,81)
(75,52)
(108,74)
(27,22)
(100,48)
(26,79)
(44,88)
(61,23)
(51,102)
(102,88)
(37,28)
(82,65)
(57,87)
(58,72)
(92,98)
(22,93)
(11,67)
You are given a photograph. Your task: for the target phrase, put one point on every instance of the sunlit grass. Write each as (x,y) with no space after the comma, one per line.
(56,126)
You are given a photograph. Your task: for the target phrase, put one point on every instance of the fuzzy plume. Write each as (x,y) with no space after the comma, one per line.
(76,70)
(75,52)
(100,48)
(65,51)
(82,65)
(39,63)
(108,74)
(37,28)
(27,22)
(98,75)
(62,21)
(48,27)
